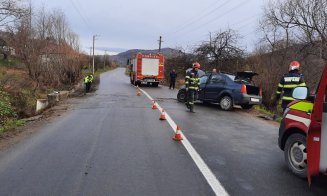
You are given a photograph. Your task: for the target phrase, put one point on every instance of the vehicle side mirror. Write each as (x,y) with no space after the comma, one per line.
(300,92)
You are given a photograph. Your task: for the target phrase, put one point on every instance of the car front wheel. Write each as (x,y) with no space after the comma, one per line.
(226,103)
(181,96)
(295,153)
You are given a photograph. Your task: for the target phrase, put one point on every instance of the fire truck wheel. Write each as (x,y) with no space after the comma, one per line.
(295,153)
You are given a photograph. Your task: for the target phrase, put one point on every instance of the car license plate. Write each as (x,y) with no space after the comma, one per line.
(255,100)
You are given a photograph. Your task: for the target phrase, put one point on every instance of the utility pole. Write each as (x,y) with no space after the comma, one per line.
(93,54)
(90,58)
(30,18)
(104,57)
(210,38)
(160,40)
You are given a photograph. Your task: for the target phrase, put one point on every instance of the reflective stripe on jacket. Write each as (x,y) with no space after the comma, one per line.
(192,83)
(288,82)
(88,79)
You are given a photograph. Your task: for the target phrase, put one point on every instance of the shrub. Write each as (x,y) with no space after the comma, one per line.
(6,110)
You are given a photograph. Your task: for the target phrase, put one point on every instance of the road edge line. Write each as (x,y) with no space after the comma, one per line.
(212,180)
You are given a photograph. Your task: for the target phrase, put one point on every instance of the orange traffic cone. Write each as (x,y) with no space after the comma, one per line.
(138,92)
(178,135)
(154,106)
(162,115)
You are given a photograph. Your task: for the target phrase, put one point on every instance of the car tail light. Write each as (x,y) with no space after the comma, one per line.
(260,92)
(243,89)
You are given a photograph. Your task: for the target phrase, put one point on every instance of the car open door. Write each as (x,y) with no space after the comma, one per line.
(317,133)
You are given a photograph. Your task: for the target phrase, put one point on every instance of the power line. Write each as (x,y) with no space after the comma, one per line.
(81,15)
(214,19)
(242,20)
(239,22)
(196,18)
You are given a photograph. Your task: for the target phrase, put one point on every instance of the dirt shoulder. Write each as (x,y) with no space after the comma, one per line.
(36,123)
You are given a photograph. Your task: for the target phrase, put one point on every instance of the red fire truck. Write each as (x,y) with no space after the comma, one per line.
(146,69)
(303,131)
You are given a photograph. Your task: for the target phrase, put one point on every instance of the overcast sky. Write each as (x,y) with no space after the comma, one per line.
(131,24)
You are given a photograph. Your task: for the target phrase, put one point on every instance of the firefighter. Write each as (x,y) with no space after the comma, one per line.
(88,81)
(192,83)
(288,82)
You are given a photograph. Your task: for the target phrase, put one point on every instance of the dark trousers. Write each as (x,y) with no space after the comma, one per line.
(284,104)
(87,87)
(191,96)
(189,101)
(172,84)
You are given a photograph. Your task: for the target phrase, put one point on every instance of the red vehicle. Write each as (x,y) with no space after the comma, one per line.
(303,132)
(146,69)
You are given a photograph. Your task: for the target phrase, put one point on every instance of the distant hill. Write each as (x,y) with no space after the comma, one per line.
(122,57)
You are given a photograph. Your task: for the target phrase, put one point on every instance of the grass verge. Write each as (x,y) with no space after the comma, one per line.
(10,125)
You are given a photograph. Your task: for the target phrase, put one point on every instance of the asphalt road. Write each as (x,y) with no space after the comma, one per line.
(113,144)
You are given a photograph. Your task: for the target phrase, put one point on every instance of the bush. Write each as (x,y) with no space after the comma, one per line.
(6,110)
(11,124)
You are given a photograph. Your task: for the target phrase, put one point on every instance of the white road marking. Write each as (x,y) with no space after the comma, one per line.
(214,183)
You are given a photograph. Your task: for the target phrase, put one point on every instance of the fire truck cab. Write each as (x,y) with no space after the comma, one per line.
(303,131)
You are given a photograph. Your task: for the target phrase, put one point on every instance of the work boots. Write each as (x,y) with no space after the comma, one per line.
(192,108)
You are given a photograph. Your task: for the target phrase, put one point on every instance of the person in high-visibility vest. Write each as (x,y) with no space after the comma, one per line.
(192,83)
(88,81)
(288,82)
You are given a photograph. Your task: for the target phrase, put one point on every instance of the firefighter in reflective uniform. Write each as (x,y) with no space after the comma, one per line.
(88,81)
(192,83)
(288,82)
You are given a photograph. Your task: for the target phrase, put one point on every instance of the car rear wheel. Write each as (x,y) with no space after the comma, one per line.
(181,96)
(295,153)
(226,103)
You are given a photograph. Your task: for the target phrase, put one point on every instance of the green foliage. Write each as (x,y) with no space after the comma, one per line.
(6,110)
(10,62)
(262,109)
(24,102)
(11,124)
(127,71)
(102,70)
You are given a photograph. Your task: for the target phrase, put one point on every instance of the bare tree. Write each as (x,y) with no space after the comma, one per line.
(11,11)
(292,30)
(222,48)
(48,48)
(306,19)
